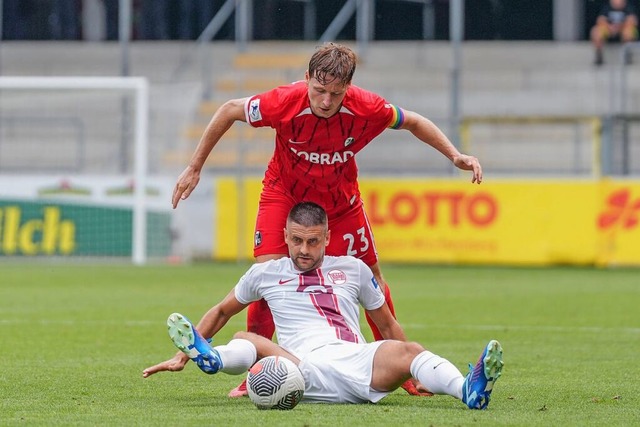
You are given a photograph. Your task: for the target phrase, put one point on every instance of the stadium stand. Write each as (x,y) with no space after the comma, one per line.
(537,79)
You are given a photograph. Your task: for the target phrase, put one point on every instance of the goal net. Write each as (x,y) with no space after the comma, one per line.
(74,179)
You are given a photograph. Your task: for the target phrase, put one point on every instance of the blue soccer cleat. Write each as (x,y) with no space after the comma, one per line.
(478,384)
(188,340)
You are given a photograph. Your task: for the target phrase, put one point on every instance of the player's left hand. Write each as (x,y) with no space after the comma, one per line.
(174,364)
(415,388)
(469,163)
(422,389)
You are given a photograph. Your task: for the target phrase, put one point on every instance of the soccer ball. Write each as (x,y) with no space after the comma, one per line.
(275,382)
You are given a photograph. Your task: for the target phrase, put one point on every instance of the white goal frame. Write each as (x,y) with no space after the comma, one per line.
(139,86)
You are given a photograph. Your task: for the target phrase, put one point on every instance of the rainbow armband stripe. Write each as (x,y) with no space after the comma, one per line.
(398,117)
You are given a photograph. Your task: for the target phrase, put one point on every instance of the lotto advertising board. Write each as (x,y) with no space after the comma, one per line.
(506,222)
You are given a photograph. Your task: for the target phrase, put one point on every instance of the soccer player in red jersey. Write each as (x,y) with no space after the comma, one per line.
(320,124)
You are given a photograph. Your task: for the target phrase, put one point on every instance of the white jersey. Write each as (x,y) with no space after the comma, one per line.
(314,308)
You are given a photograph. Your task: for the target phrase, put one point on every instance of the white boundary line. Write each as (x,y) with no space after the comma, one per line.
(507,328)
(564,329)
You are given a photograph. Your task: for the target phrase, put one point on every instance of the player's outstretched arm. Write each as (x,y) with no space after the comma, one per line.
(426,131)
(230,112)
(388,326)
(218,315)
(175,364)
(213,320)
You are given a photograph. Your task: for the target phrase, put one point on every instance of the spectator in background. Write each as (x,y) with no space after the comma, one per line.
(14,20)
(617,20)
(64,20)
(111,8)
(154,20)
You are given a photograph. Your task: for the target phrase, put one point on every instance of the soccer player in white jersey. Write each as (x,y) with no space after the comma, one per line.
(315,303)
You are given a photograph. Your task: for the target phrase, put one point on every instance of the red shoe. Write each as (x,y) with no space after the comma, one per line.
(411,388)
(240,391)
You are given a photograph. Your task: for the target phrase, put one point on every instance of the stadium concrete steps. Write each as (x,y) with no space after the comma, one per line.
(250,73)
(497,78)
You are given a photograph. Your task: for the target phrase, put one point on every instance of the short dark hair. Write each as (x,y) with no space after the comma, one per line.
(308,214)
(331,62)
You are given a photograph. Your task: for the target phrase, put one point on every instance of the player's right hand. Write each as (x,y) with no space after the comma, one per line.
(469,163)
(187,182)
(175,364)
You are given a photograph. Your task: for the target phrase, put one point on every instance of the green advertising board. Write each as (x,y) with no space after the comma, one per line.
(51,228)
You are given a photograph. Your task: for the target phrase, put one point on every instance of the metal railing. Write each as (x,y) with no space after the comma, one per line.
(576,150)
(364,11)
(617,124)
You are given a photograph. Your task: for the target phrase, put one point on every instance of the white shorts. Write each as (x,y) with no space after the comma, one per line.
(340,373)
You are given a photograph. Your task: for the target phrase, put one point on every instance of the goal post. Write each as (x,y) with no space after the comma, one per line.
(20,105)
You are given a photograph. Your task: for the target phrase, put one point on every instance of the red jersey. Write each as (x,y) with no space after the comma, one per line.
(314,157)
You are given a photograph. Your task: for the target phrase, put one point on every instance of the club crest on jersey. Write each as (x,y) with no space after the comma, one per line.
(254,110)
(349,141)
(337,277)
(257,239)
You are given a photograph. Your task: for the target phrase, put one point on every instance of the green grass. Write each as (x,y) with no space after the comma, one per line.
(74,341)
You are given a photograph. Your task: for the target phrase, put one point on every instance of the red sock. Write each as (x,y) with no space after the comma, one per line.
(387,296)
(259,319)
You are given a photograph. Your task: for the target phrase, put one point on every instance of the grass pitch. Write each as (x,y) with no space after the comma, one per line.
(75,339)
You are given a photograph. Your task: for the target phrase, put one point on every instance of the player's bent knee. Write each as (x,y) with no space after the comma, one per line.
(409,350)
(249,336)
(414,348)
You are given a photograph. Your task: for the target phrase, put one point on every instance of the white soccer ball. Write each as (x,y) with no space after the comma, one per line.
(275,383)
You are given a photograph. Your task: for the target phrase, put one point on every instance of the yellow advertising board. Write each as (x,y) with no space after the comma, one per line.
(235,215)
(508,222)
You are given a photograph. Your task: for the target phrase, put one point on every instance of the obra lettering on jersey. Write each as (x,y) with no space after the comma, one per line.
(325,158)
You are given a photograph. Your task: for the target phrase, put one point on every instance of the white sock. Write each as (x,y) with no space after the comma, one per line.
(437,374)
(237,356)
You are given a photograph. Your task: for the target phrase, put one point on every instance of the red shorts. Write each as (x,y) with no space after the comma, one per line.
(350,230)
